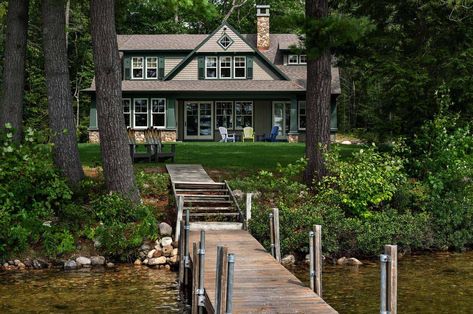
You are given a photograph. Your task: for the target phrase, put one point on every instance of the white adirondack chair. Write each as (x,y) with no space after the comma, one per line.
(225,136)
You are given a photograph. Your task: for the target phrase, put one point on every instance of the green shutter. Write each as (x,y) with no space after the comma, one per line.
(160,68)
(333,115)
(249,67)
(171,113)
(201,64)
(93,125)
(127,68)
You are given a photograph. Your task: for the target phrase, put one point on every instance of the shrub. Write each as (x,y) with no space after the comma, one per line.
(122,225)
(31,190)
(153,184)
(363,183)
(58,241)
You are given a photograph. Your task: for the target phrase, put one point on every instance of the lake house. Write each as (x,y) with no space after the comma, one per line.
(188,85)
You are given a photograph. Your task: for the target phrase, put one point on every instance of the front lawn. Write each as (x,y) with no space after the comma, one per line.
(234,157)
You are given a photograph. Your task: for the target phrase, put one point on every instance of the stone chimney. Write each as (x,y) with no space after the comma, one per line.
(262,25)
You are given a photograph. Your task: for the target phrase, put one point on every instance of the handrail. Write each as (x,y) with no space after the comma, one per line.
(234,200)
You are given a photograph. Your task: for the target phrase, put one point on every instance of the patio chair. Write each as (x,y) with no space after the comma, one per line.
(159,152)
(272,136)
(248,134)
(225,136)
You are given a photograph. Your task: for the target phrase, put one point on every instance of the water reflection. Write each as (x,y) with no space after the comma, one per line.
(126,289)
(439,283)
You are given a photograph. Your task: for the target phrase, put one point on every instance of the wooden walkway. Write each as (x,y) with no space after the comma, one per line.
(261,284)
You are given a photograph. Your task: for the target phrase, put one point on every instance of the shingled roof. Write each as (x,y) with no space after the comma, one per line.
(188,42)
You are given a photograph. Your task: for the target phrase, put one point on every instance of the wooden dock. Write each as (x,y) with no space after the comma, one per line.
(261,284)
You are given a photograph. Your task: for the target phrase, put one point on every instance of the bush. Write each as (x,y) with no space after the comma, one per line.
(122,225)
(32,191)
(362,184)
(153,184)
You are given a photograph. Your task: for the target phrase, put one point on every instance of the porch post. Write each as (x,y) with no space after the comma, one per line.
(293,136)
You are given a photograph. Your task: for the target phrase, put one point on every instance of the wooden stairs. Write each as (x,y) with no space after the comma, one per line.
(209,202)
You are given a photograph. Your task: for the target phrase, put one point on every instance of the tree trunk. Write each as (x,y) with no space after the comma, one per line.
(60,111)
(13,85)
(117,164)
(319,79)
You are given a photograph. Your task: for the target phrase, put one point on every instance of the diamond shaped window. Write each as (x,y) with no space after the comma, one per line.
(225,41)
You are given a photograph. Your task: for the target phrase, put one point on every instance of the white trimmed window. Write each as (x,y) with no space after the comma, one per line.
(127,111)
(158,113)
(137,71)
(243,114)
(302,115)
(210,67)
(293,59)
(240,67)
(303,59)
(225,67)
(224,114)
(151,67)
(140,116)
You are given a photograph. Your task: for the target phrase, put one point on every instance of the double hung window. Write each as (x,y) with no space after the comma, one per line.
(137,68)
(211,67)
(225,67)
(240,67)
(151,67)
(224,114)
(243,114)
(158,112)
(302,115)
(127,111)
(140,106)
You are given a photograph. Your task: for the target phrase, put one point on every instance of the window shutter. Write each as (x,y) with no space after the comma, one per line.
(160,68)
(201,65)
(249,67)
(127,68)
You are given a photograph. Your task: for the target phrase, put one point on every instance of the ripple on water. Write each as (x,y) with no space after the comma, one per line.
(126,289)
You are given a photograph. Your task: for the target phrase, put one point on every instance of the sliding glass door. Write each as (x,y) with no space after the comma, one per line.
(198,120)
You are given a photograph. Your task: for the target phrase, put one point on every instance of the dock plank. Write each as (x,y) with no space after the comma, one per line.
(188,174)
(261,284)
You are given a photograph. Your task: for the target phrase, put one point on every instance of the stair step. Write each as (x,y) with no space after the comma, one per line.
(203,185)
(199,225)
(197,208)
(207,201)
(200,190)
(213,214)
(192,196)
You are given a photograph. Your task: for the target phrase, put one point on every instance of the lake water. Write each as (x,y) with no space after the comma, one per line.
(440,283)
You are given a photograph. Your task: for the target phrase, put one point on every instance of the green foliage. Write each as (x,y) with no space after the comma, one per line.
(31,190)
(122,226)
(58,241)
(363,183)
(152,184)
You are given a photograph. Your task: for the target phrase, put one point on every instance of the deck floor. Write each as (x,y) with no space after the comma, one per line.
(261,284)
(188,174)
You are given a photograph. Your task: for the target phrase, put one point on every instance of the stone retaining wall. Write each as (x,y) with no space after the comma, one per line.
(165,136)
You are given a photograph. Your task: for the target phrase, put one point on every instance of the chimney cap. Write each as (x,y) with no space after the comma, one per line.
(262,10)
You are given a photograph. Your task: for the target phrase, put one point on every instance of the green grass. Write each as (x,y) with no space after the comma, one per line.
(245,157)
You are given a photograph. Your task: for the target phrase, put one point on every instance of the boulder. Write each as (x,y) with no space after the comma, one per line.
(157,261)
(145,262)
(6,265)
(174,252)
(166,241)
(346,143)
(28,263)
(342,261)
(158,253)
(83,261)
(137,262)
(16,262)
(288,260)
(145,247)
(142,254)
(173,259)
(70,264)
(168,267)
(151,253)
(21,265)
(238,194)
(167,250)
(97,260)
(165,229)
(110,265)
(353,262)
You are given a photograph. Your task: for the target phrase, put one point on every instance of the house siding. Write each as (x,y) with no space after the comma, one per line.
(170,63)
(212,44)
(189,72)
(262,72)
(262,117)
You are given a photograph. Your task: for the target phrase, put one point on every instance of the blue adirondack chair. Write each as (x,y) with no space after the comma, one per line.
(273,135)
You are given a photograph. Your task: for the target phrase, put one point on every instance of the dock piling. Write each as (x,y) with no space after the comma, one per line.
(201,253)
(186,249)
(315,251)
(249,197)
(388,295)
(180,211)
(230,273)
(220,279)
(274,230)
